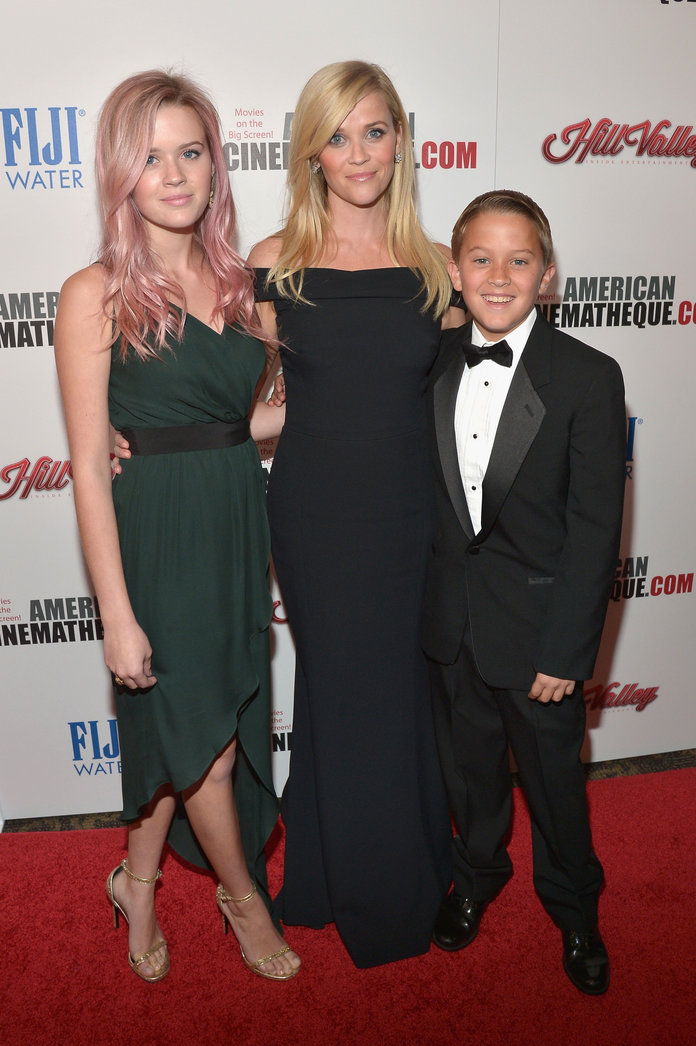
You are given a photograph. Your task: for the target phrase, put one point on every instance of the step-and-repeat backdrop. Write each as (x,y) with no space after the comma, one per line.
(587,107)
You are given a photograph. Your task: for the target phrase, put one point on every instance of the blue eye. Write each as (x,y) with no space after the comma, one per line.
(191,154)
(520,261)
(150,161)
(336,139)
(376,133)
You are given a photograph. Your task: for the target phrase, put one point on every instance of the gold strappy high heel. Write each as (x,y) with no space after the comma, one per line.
(221,896)
(138,961)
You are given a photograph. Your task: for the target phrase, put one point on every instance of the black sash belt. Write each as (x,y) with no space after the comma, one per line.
(177,438)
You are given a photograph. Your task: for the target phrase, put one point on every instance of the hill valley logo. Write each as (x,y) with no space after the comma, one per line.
(616,696)
(604,141)
(44,477)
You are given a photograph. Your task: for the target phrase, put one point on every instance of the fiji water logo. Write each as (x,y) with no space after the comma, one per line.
(631,425)
(95,747)
(41,147)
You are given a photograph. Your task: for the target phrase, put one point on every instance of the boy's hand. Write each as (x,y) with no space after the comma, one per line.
(548,688)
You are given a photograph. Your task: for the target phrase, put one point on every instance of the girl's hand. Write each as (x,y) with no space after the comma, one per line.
(128,656)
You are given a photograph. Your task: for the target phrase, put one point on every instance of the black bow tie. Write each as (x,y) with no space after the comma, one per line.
(500,353)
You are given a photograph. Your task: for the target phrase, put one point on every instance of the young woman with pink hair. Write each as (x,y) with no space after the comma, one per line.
(160,338)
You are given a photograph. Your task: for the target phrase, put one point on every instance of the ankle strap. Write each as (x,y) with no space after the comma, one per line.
(137,878)
(222,896)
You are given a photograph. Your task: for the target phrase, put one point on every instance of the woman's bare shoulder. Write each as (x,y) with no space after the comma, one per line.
(85,287)
(81,317)
(264,254)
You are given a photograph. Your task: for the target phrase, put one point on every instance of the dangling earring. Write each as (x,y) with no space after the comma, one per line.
(212,190)
(316,167)
(398,158)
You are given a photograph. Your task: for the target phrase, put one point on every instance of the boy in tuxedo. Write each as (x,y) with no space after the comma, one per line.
(530,435)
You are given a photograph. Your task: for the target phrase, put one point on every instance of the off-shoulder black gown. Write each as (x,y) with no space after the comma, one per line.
(367,831)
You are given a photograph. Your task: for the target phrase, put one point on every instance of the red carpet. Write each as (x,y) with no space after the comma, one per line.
(64,976)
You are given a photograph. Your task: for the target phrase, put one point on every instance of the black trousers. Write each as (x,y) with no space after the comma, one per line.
(474,724)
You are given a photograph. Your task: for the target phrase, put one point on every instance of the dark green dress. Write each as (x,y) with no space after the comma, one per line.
(195,549)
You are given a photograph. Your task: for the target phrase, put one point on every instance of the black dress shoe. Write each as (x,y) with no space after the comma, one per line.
(586,962)
(457,922)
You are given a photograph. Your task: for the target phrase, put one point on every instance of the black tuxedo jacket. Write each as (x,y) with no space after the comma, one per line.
(533,584)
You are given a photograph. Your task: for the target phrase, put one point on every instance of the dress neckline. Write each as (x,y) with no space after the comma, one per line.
(331,268)
(202,323)
(374,268)
(191,315)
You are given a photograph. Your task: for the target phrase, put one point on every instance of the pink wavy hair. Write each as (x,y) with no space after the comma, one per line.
(138,292)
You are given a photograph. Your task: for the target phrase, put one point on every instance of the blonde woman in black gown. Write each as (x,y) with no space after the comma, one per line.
(358,295)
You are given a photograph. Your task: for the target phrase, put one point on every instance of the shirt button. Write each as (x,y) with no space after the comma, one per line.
(475,436)
(473,488)
(486,384)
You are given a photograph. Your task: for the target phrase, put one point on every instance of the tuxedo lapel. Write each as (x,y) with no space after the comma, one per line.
(519,423)
(444,401)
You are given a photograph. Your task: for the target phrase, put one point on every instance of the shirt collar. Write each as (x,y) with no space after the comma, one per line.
(516,339)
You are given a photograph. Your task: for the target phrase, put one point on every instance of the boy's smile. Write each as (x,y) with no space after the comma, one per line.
(500,271)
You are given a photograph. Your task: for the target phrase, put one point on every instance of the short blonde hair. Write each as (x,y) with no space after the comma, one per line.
(505,201)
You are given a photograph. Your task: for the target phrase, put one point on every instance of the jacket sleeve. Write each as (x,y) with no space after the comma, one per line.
(571,632)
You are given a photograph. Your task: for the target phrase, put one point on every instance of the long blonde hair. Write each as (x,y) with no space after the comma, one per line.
(326,99)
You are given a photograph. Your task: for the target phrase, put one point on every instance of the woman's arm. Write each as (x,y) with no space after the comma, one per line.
(263,256)
(82,337)
(453,317)
(266,420)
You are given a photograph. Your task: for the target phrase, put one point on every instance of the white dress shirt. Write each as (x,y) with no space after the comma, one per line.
(482,393)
